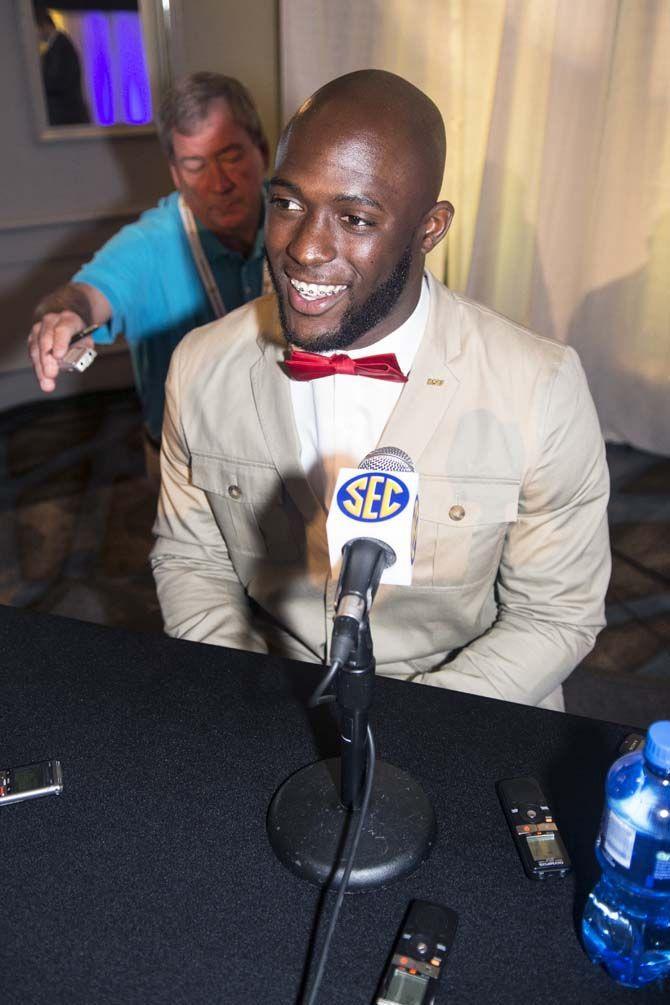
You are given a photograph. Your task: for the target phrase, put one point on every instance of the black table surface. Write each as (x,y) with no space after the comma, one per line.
(151,879)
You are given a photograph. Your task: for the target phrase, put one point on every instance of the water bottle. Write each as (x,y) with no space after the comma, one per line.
(626,923)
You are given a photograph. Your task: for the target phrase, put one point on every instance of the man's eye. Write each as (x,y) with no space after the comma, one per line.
(281,202)
(357,222)
(193,166)
(232,158)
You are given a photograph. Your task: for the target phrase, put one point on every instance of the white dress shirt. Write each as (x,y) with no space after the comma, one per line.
(341,418)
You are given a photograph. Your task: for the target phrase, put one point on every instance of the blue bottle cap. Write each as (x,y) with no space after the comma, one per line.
(657,746)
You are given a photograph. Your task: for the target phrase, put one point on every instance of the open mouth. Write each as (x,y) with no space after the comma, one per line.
(314,298)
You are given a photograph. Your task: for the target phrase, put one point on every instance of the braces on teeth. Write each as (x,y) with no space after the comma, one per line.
(315,291)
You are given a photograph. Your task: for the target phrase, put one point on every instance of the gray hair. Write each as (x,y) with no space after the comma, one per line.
(185,106)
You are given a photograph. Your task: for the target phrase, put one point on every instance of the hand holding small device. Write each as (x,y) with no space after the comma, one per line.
(50,340)
(79,357)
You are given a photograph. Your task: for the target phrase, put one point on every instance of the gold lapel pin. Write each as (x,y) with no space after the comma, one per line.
(434,382)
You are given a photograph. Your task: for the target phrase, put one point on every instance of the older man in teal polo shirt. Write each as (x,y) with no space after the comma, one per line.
(197,255)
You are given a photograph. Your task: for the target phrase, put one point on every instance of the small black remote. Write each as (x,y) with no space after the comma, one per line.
(631,743)
(419,955)
(533,828)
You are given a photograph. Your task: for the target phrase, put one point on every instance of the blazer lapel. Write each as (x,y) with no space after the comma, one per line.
(272,397)
(432,382)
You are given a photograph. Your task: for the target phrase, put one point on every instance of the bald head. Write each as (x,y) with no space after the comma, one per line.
(352,210)
(382,104)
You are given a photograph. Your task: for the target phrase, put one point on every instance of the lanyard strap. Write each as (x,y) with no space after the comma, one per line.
(203,266)
(200,259)
(267,282)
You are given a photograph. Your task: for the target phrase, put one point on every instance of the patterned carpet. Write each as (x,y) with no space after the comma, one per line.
(77,511)
(76,531)
(627,676)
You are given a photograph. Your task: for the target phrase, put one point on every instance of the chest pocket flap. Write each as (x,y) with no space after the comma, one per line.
(462,528)
(468,502)
(250,506)
(237,480)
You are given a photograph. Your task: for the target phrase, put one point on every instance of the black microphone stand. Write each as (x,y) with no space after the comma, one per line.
(312,815)
(354,688)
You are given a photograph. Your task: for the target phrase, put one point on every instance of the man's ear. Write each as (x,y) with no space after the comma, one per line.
(435,225)
(176,181)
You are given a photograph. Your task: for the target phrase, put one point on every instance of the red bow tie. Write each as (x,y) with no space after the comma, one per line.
(309,366)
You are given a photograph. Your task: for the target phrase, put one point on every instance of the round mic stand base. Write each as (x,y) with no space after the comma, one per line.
(310,830)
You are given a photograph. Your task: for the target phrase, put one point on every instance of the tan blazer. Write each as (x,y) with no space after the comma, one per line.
(499,422)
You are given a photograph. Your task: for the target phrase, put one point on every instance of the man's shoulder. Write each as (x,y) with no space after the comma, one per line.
(512,335)
(155,228)
(149,243)
(159,218)
(241,336)
(480,328)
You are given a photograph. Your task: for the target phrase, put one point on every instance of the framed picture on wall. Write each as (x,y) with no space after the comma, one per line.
(97,67)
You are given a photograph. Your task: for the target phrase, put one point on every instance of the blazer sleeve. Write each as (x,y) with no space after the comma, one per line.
(555,563)
(200,595)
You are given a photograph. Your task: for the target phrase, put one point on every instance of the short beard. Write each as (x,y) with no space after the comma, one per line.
(356,322)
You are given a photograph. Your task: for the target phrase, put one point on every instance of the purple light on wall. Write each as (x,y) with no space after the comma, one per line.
(97,54)
(131,64)
(115,67)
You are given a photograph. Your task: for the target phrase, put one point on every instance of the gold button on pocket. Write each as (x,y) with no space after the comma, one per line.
(462,527)
(248,503)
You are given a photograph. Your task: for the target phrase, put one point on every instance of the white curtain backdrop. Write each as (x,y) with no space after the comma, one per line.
(558,126)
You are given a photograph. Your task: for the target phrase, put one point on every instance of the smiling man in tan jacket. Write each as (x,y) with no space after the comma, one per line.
(512,556)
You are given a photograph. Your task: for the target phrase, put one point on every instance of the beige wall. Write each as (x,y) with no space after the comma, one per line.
(60,201)
(239,38)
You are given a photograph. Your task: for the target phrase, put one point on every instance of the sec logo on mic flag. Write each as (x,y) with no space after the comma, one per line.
(377,504)
(373,497)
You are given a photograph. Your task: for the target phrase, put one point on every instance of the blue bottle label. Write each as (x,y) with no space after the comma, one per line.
(638,857)
(618,839)
(662,870)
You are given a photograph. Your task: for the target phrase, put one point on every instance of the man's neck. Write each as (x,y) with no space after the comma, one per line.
(242,244)
(394,320)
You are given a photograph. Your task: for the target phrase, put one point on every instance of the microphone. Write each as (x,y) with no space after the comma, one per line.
(372,526)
